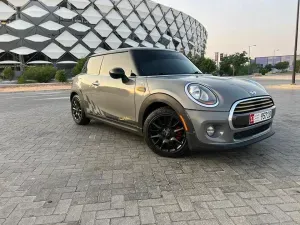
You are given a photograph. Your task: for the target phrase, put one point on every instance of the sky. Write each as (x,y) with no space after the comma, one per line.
(233,25)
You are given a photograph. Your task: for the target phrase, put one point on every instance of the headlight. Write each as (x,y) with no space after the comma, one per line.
(201,95)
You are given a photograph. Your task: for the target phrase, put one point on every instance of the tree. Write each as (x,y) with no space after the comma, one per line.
(282,65)
(269,67)
(41,74)
(189,55)
(8,73)
(60,76)
(263,71)
(206,65)
(244,69)
(232,64)
(194,59)
(78,68)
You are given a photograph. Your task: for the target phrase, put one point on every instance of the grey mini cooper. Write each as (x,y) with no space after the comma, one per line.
(162,96)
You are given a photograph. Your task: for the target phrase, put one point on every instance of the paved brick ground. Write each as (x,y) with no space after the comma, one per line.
(54,172)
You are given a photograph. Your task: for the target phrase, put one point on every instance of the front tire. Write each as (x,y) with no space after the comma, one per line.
(165,134)
(78,113)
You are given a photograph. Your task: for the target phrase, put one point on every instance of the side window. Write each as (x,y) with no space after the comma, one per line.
(84,68)
(122,60)
(94,64)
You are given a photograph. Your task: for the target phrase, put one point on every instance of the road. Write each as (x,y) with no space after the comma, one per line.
(54,172)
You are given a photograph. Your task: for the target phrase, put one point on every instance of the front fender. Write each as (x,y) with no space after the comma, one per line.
(168,100)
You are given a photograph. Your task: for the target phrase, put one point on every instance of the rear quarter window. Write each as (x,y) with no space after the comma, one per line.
(94,65)
(84,68)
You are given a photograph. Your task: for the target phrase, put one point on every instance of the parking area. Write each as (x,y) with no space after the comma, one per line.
(54,172)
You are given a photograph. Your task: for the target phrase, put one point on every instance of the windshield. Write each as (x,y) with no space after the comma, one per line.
(159,62)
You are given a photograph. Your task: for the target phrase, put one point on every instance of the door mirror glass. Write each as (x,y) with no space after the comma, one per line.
(117,73)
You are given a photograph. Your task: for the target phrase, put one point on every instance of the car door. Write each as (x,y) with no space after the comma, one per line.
(114,96)
(90,82)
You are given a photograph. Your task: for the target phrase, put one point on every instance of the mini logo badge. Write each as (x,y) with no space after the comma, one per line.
(252,93)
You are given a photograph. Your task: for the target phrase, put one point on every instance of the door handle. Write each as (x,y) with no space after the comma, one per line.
(96,84)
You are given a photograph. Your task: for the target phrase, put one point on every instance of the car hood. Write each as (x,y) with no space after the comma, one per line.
(228,89)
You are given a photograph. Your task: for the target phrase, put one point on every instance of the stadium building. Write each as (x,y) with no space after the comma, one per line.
(60,32)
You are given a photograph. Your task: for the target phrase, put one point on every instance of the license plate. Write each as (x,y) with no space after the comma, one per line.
(260,117)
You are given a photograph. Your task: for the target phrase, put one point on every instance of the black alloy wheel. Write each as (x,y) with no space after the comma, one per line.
(165,133)
(77,112)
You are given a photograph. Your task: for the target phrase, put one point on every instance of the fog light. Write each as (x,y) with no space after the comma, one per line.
(210,131)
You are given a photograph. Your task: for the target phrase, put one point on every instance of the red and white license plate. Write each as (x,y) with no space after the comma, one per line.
(260,117)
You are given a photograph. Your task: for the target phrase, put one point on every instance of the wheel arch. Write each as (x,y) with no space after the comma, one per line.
(73,93)
(76,92)
(159,100)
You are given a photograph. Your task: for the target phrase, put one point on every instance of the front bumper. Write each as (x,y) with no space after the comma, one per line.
(225,137)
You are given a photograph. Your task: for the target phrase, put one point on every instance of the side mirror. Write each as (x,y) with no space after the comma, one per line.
(117,73)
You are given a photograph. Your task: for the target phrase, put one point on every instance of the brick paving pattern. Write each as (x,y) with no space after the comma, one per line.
(54,172)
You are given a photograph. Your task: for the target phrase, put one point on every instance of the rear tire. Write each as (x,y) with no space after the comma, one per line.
(78,113)
(164,133)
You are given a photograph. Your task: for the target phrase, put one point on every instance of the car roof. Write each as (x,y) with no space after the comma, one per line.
(120,50)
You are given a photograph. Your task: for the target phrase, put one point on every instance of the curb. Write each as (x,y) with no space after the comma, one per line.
(34,85)
(13,88)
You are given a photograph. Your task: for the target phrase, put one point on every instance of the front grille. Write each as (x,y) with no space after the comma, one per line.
(249,133)
(253,105)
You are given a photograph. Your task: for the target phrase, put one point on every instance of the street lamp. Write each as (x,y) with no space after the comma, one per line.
(276,50)
(296,45)
(250,46)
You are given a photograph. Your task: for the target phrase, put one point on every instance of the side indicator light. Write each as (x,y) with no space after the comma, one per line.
(184,123)
(141,89)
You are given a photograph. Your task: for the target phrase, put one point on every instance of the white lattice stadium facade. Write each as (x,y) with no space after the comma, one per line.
(63,31)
